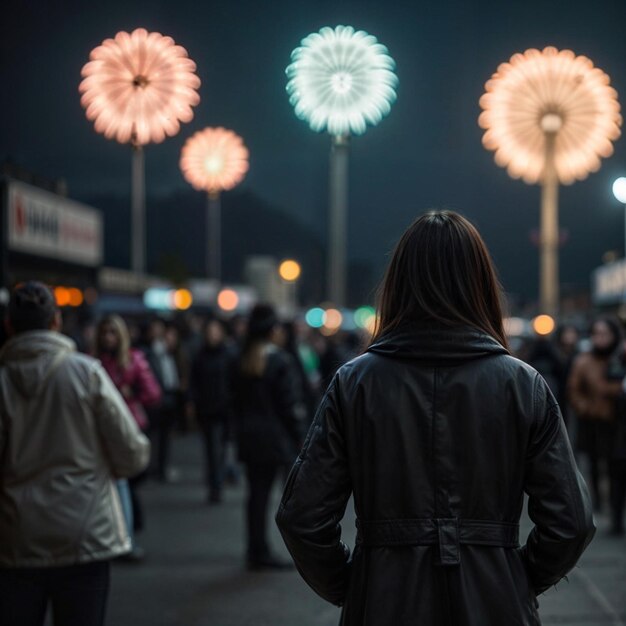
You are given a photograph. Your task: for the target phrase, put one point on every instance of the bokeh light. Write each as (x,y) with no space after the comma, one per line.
(619,189)
(315,317)
(228,300)
(290,270)
(543,324)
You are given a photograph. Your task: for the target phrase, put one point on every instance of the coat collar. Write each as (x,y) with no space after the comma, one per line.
(437,343)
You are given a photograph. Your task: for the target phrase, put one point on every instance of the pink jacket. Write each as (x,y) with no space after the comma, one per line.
(138,377)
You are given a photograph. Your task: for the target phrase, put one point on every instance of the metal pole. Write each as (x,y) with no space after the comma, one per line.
(214,236)
(138,199)
(338,220)
(549,276)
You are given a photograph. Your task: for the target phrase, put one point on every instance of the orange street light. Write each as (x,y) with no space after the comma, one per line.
(228,300)
(289,270)
(543,324)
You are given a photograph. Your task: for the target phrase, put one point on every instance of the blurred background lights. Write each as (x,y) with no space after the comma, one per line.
(62,296)
(315,317)
(289,270)
(514,326)
(333,319)
(619,189)
(228,300)
(183,299)
(543,325)
(363,316)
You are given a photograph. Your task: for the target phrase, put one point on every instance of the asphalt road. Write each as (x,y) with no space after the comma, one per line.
(194,572)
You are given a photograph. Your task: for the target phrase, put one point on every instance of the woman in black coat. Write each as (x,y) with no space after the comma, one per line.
(437,432)
(269,419)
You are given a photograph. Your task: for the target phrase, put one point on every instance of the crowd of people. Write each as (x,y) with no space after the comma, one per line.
(587,376)
(78,411)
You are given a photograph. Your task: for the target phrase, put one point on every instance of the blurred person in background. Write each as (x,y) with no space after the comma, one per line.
(131,374)
(210,392)
(617,459)
(567,338)
(543,355)
(163,417)
(65,435)
(289,341)
(183,365)
(592,396)
(270,425)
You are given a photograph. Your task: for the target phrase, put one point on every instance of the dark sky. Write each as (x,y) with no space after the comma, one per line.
(426,153)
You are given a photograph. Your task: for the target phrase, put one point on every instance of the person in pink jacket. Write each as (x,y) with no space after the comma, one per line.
(129,370)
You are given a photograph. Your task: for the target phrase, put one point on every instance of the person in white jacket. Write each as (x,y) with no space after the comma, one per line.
(65,435)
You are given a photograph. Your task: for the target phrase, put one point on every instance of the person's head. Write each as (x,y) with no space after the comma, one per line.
(441,271)
(156,330)
(32,307)
(172,338)
(262,330)
(606,335)
(214,333)
(567,337)
(113,338)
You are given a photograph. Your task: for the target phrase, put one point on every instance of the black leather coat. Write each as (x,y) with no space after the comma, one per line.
(437,433)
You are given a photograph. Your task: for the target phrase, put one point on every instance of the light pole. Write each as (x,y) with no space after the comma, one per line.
(549,116)
(340,80)
(619,191)
(214,160)
(137,88)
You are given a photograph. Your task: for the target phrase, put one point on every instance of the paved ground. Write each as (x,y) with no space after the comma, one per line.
(194,573)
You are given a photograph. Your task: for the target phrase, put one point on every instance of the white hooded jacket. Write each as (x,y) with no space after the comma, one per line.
(65,435)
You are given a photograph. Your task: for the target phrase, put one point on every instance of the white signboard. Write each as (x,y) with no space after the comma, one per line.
(609,283)
(51,226)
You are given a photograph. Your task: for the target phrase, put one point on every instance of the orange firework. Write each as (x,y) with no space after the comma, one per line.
(214,159)
(138,87)
(549,93)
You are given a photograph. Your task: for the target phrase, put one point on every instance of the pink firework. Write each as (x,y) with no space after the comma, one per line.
(214,159)
(138,87)
(550,94)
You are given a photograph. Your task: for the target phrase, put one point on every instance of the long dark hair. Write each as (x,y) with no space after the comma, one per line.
(261,325)
(441,271)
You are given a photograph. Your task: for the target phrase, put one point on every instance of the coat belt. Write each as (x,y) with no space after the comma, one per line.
(448,533)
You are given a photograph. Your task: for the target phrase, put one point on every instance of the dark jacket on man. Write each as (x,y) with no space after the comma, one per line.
(437,433)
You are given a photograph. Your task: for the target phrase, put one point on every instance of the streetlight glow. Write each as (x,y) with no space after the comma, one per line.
(290,270)
(228,300)
(543,325)
(619,189)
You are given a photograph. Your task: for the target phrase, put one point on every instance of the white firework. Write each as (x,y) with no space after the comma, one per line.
(341,80)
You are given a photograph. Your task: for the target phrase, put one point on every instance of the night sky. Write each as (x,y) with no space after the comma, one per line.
(426,153)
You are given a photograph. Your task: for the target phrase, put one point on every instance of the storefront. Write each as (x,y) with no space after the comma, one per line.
(48,237)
